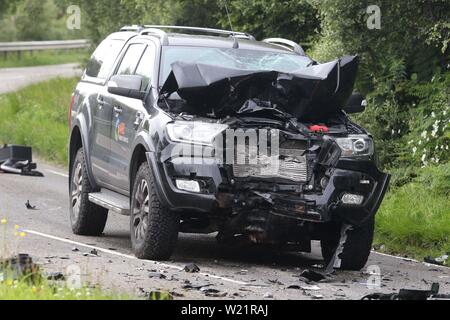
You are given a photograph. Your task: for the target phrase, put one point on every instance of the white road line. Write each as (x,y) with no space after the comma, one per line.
(410,260)
(122,255)
(57,173)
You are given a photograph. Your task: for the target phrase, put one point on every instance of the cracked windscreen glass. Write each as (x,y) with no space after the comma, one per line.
(232,58)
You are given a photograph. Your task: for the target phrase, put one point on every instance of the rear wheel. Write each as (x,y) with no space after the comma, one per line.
(154,228)
(86,218)
(356,248)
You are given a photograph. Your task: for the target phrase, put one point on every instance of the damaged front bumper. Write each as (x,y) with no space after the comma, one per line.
(322,199)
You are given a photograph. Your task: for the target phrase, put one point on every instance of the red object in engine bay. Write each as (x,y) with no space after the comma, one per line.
(319,129)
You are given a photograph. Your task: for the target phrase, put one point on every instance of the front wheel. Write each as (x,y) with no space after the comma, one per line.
(154,228)
(356,248)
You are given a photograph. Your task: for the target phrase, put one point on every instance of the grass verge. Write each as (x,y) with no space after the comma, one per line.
(37,116)
(415,218)
(22,290)
(42,58)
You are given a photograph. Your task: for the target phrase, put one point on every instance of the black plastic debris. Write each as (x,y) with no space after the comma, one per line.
(213,293)
(313,276)
(20,267)
(191,268)
(18,160)
(411,295)
(56,276)
(29,206)
(440,261)
(156,275)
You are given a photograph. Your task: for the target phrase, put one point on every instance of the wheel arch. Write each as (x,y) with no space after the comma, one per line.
(137,159)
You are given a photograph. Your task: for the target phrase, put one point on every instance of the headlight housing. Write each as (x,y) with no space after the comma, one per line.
(200,133)
(356,146)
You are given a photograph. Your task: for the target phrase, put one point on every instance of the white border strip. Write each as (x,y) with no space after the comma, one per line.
(57,173)
(122,255)
(411,260)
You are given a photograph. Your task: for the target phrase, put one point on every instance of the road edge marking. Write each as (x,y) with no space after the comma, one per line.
(123,255)
(57,173)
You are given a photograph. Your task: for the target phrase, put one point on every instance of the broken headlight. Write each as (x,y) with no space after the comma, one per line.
(356,146)
(201,133)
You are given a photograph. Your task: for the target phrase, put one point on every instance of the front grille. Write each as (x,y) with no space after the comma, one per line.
(291,164)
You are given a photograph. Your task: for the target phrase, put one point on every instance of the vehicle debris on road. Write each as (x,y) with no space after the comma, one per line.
(191,268)
(18,160)
(29,206)
(411,295)
(440,261)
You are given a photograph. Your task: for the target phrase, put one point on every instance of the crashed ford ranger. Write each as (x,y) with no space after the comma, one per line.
(210,131)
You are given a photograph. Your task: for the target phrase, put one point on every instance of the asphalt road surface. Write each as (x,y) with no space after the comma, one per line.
(16,78)
(231,272)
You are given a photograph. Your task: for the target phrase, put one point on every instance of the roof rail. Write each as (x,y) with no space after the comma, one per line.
(133,28)
(156,32)
(240,35)
(287,44)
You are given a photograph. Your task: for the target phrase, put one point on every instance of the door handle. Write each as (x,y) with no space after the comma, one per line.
(139,118)
(118,110)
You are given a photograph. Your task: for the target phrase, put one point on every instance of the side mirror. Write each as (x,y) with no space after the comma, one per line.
(127,85)
(356,104)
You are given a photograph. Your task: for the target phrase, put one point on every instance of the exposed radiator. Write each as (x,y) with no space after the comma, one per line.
(291,164)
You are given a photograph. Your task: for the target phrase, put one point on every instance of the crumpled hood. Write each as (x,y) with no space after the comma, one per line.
(310,93)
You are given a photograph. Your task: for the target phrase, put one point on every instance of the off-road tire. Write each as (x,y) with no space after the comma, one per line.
(158,239)
(91,218)
(357,247)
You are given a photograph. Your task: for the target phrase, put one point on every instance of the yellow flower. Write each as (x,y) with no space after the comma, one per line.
(9,282)
(16,227)
(23,234)
(3,221)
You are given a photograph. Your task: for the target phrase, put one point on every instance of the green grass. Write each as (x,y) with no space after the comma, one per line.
(415,218)
(21,290)
(42,58)
(38,116)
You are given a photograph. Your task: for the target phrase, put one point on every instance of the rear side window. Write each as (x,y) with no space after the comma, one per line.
(102,61)
(131,59)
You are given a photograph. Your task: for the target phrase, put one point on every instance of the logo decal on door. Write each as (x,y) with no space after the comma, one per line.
(120,131)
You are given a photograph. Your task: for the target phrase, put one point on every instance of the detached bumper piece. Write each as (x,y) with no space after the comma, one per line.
(18,160)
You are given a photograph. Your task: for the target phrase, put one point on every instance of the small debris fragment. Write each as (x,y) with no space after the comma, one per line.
(56,276)
(310,288)
(29,206)
(242,272)
(75,249)
(156,275)
(176,294)
(214,293)
(268,295)
(317,297)
(313,276)
(294,287)
(191,268)
(440,261)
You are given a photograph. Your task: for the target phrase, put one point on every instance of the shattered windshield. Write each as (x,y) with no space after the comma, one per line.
(232,58)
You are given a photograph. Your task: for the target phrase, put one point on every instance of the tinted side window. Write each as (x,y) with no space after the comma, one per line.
(146,66)
(131,59)
(103,59)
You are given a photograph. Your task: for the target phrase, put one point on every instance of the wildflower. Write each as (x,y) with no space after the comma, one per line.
(420,142)
(9,282)
(437,160)
(424,157)
(3,221)
(16,227)
(433,115)
(424,134)
(23,234)
(414,150)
